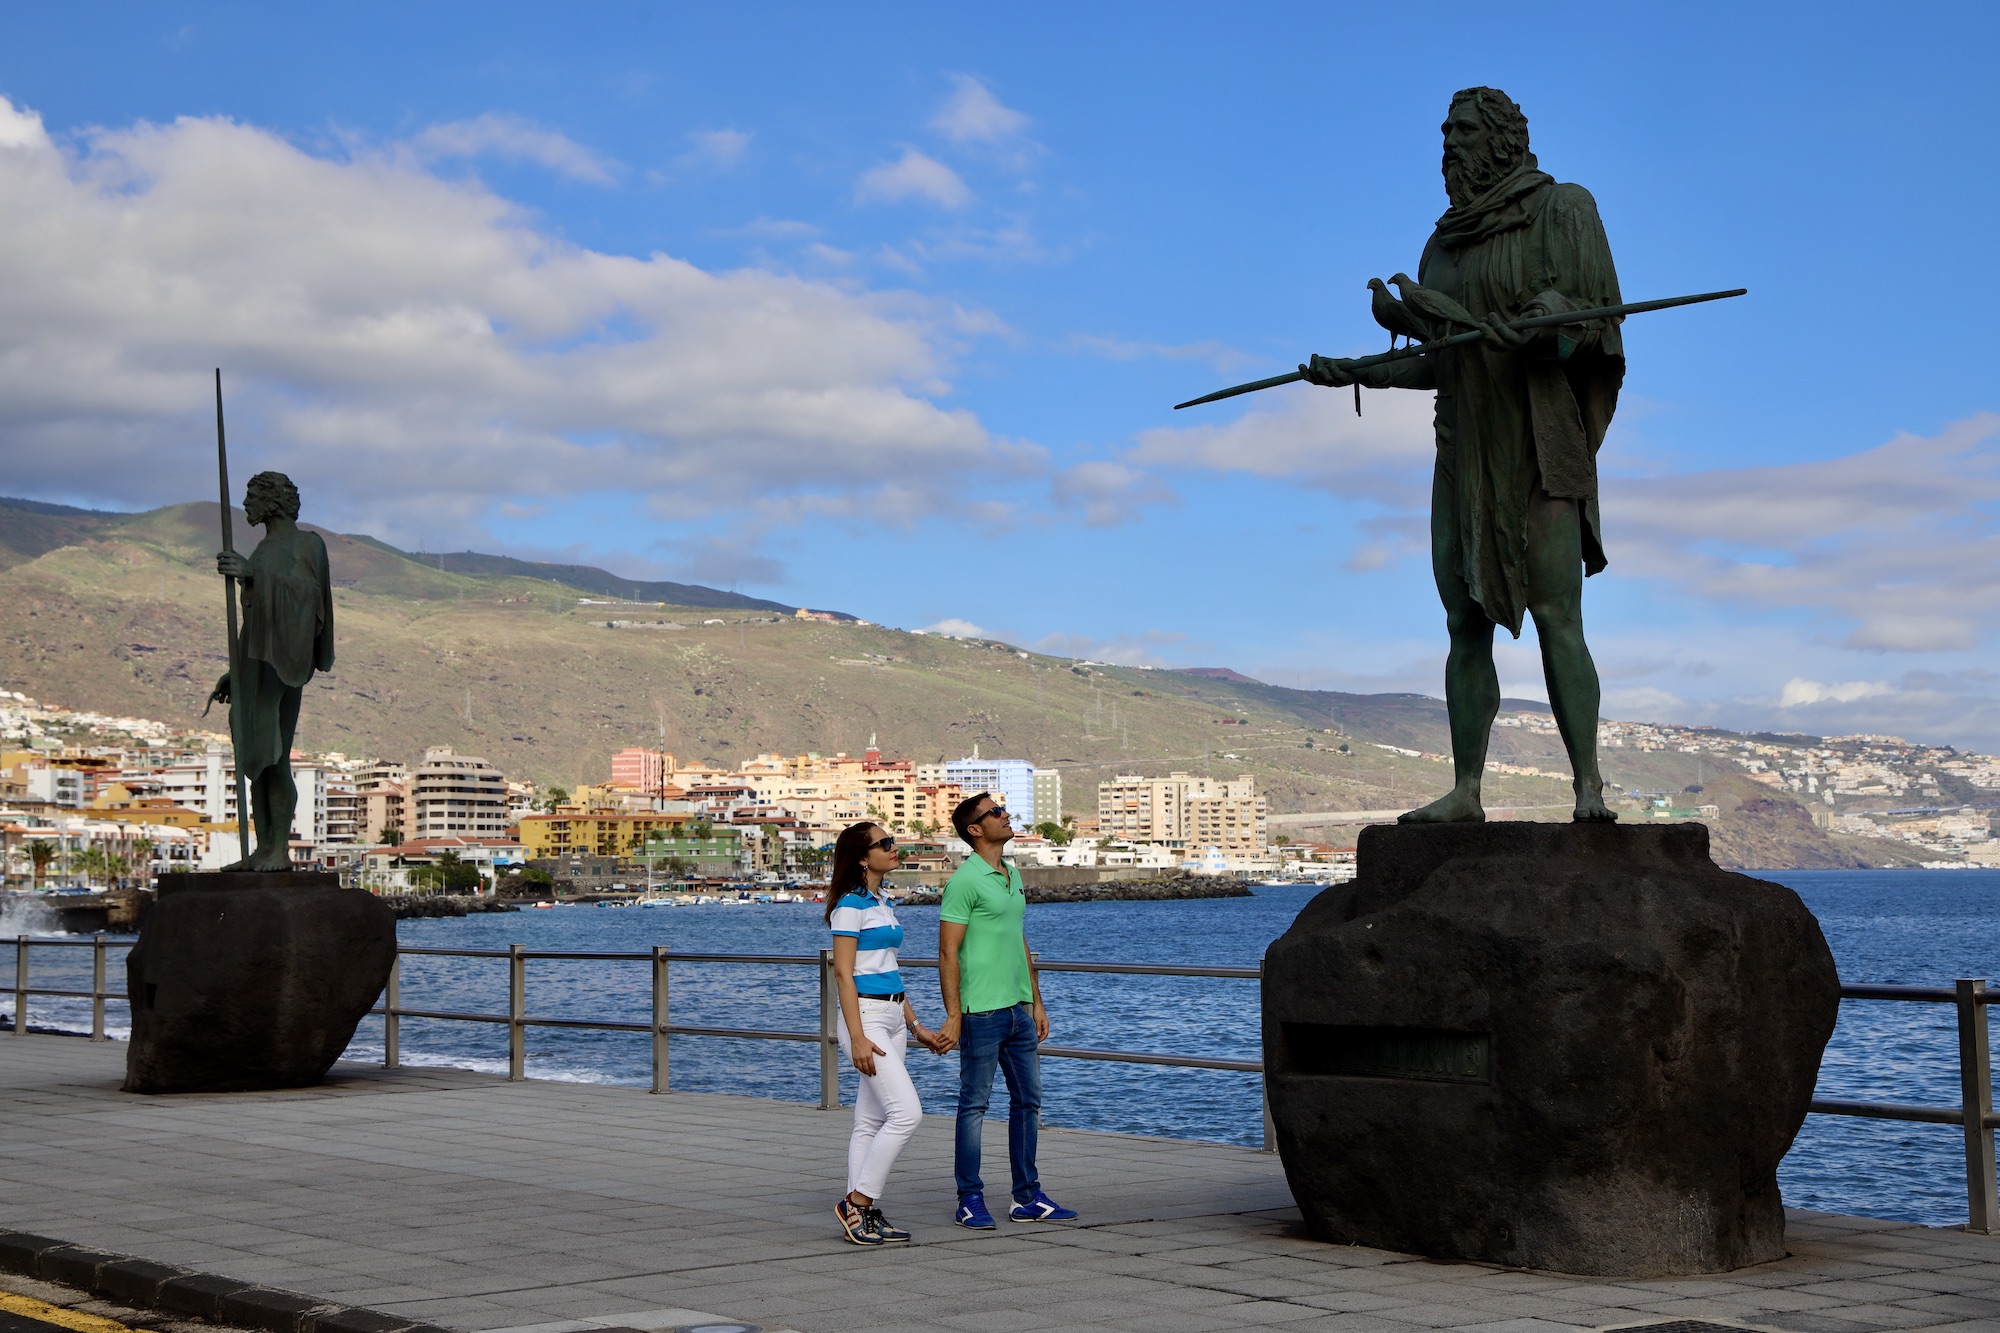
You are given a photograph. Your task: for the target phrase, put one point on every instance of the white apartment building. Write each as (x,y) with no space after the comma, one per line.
(1184,811)
(1033,795)
(205,785)
(456,794)
(63,787)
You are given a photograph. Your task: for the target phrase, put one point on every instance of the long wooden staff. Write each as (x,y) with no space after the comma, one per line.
(235,654)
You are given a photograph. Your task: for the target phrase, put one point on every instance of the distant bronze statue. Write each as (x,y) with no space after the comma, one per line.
(1520,416)
(287,635)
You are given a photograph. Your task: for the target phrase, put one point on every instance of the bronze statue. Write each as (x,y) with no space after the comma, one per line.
(287,635)
(1520,416)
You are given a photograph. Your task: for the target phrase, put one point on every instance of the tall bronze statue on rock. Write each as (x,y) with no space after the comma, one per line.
(256,975)
(1573,1046)
(1520,416)
(287,635)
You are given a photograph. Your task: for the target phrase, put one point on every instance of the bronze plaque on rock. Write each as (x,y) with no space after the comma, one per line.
(1382,1052)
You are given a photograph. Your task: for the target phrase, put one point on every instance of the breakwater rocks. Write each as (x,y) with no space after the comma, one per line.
(407,905)
(1162,888)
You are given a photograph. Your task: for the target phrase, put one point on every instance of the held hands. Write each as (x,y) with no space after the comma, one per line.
(933,1042)
(947,1034)
(232,565)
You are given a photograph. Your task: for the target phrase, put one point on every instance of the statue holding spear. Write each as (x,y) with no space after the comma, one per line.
(287,634)
(1517,307)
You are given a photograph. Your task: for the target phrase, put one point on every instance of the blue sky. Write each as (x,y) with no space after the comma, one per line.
(884,308)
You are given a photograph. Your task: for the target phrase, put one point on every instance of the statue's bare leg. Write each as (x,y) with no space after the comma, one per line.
(1555,599)
(275,798)
(1471,685)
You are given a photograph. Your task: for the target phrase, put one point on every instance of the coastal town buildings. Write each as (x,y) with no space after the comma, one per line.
(451,793)
(119,799)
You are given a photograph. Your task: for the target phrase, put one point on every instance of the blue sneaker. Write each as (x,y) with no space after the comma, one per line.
(1041,1208)
(972,1213)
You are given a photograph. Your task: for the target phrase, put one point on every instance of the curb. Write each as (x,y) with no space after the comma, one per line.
(146,1285)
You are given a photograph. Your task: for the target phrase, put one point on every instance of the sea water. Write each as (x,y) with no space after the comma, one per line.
(1914,927)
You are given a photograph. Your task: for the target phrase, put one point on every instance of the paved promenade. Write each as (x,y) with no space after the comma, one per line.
(465,1200)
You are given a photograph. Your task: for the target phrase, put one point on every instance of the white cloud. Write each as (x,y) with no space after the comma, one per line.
(1893,546)
(415,350)
(914,175)
(951,627)
(498,135)
(1108,492)
(1800,692)
(1152,648)
(719,149)
(972,114)
(1312,435)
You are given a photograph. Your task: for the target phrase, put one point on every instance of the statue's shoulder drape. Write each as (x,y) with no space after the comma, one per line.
(288,606)
(1510,423)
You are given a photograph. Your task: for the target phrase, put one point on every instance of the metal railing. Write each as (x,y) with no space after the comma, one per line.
(97,995)
(661,1028)
(1974,1114)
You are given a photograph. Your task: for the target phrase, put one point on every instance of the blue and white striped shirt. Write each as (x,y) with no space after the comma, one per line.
(871,923)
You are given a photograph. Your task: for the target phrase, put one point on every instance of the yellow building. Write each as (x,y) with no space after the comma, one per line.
(594,833)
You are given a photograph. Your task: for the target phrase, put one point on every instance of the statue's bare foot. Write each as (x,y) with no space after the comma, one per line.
(1454,807)
(1590,806)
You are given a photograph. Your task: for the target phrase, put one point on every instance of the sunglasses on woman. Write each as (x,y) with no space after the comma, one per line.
(883,844)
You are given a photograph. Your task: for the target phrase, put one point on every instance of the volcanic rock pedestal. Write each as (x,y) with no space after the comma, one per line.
(1563,1046)
(246,981)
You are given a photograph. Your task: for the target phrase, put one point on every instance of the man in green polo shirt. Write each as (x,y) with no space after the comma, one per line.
(993,1013)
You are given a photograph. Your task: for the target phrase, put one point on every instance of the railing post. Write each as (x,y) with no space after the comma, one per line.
(1270,1143)
(829,1044)
(392,1022)
(1975,1074)
(517,1009)
(97,987)
(659,1018)
(21,987)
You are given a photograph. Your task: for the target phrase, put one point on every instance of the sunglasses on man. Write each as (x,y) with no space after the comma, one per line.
(986,814)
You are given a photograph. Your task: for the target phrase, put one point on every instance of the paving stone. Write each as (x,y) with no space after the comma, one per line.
(463,1201)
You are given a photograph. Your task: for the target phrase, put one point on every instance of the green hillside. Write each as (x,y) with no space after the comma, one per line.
(124,613)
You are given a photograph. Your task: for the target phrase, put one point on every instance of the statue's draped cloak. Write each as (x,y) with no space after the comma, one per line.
(1517,420)
(287,635)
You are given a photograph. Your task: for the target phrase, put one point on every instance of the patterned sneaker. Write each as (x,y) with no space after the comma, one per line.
(883,1227)
(857,1223)
(972,1213)
(1041,1208)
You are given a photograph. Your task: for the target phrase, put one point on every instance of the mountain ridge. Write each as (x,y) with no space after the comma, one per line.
(126,617)
(583,578)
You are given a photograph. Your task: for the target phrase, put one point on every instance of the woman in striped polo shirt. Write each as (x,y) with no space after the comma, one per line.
(876,1024)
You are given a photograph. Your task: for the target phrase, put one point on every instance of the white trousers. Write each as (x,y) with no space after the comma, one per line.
(887,1111)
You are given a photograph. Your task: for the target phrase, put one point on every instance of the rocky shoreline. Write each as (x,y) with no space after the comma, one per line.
(1164,888)
(409,905)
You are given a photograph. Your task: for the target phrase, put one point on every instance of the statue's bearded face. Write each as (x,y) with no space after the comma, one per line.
(1475,156)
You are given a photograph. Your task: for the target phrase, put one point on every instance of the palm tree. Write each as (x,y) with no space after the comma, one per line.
(142,853)
(90,863)
(41,852)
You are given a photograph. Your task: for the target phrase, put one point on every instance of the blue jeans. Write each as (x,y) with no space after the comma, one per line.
(1002,1039)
